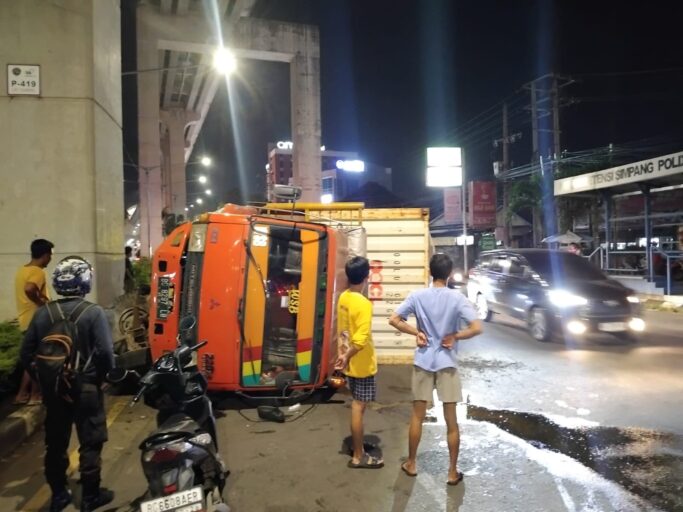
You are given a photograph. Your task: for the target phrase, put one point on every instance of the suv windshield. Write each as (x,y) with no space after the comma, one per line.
(567,265)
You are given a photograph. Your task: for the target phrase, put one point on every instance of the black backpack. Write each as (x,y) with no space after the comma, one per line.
(58,356)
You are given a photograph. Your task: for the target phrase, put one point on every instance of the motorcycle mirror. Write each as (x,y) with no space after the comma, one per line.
(116,375)
(187,323)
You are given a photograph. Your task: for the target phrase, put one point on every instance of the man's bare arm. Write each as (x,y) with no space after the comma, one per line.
(33,293)
(472,330)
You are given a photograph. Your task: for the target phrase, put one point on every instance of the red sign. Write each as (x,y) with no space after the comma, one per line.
(482,201)
(452,205)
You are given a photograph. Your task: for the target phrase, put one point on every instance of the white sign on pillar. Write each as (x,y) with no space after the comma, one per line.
(23,80)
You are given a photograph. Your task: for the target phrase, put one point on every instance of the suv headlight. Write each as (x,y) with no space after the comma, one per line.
(633,299)
(565,299)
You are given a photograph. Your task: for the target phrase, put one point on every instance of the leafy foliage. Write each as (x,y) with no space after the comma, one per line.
(142,272)
(10,343)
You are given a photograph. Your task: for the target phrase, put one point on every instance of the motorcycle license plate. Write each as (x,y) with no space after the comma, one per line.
(612,326)
(191,500)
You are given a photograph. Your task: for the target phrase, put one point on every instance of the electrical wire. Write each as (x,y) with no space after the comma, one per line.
(295,416)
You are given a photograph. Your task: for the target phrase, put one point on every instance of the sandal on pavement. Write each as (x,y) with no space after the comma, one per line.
(366,462)
(405,470)
(21,400)
(457,480)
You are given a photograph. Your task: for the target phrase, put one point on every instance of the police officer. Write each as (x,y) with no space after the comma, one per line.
(72,279)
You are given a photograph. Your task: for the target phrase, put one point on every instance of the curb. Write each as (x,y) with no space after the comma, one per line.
(18,426)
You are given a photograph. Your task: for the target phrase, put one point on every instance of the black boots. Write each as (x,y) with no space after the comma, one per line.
(60,500)
(96,500)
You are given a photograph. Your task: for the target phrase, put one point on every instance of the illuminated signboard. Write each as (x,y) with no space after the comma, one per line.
(444,167)
(288,144)
(351,165)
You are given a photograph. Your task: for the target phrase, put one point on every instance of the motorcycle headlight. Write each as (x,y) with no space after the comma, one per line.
(565,299)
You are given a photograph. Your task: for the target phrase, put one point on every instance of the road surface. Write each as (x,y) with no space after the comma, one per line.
(590,427)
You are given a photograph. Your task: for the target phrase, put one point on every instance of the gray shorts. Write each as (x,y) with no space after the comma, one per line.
(446,382)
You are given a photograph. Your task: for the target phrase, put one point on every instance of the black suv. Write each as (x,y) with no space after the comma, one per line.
(553,292)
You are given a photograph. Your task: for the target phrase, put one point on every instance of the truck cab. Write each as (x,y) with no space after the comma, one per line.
(263,287)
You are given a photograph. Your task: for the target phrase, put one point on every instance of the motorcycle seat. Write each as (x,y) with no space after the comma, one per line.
(175,428)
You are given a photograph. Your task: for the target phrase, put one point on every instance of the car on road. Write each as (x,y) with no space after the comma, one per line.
(553,292)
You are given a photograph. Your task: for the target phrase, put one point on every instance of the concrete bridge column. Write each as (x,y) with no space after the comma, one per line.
(62,165)
(149,142)
(305,98)
(176,120)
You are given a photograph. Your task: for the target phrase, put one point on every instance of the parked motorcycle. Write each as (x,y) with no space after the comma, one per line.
(180,458)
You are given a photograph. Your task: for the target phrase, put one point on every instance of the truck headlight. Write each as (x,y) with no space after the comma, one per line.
(565,299)
(198,238)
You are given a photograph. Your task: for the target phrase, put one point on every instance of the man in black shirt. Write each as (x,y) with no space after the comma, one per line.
(72,280)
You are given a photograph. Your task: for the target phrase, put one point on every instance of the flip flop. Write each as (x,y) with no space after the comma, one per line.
(366,462)
(405,470)
(457,480)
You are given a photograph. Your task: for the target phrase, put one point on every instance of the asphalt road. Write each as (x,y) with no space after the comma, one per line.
(595,427)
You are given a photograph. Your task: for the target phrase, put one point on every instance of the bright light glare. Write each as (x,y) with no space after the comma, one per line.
(444,176)
(633,299)
(187,209)
(326,198)
(576,327)
(351,165)
(444,157)
(457,276)
(224,61)
(200,200)
(565,299)
(637,324)
(206,161)
(208,192)
(202,179)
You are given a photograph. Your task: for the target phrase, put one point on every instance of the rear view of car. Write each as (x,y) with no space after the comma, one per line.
(553,292)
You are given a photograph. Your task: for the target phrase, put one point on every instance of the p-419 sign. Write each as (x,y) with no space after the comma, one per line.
(23,80)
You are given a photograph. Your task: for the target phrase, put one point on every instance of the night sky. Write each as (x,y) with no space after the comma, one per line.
(398,76)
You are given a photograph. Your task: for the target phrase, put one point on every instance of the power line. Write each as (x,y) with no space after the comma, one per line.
(630,73)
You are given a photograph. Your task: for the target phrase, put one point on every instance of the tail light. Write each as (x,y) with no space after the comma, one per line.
(166,452)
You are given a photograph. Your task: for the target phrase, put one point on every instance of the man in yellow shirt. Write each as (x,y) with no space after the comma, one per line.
(31,293)
(354,320)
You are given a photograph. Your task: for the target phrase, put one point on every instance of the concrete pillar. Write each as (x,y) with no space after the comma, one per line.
(175,120)
(305,98)
(149,145)
(62,165)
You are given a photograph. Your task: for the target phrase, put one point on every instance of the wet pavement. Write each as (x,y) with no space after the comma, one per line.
(590,428)
(647,463)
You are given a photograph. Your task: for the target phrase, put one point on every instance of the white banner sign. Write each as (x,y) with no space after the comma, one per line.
(23,80)
(630,173)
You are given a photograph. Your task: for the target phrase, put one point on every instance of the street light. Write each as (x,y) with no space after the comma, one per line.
(206,161)
(202,179)
(200,200)
(224,61)
(208,192)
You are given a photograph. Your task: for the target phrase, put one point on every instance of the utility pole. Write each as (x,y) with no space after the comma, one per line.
(506,188)
(545,101)
(555,96)
(534,123)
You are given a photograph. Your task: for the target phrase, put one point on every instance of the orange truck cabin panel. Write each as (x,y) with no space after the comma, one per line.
(263,289)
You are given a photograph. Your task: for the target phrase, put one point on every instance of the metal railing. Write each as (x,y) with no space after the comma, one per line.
(669,255)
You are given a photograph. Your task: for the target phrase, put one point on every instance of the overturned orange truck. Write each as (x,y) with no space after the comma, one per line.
(263,286)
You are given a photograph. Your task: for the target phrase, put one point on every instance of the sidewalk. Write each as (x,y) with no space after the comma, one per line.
(18,423)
